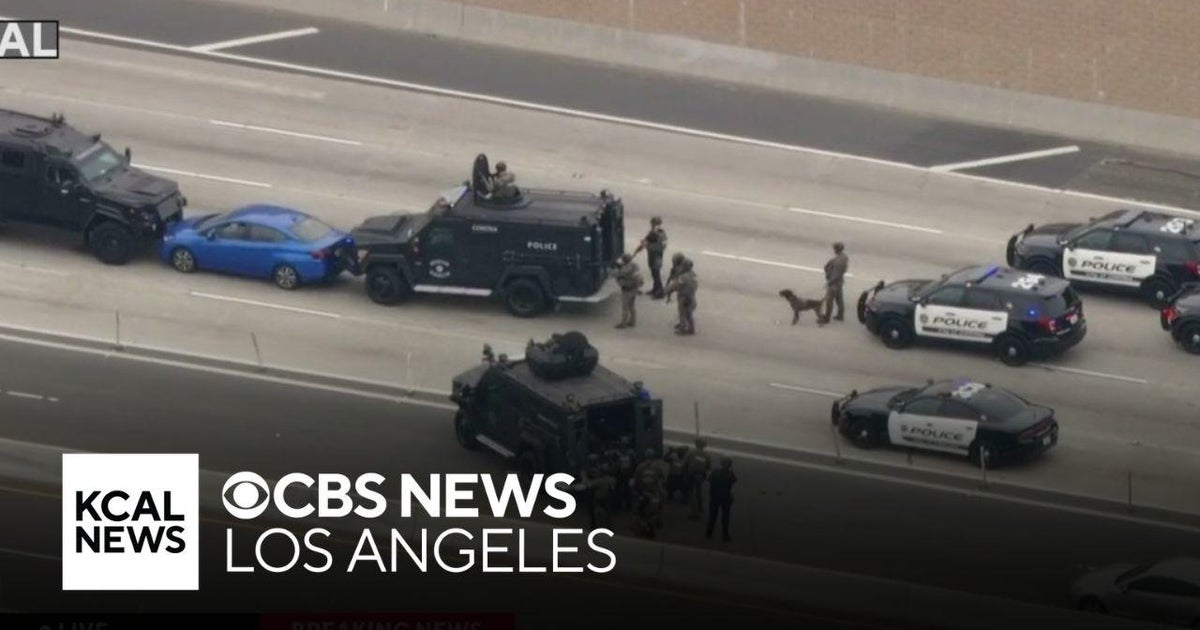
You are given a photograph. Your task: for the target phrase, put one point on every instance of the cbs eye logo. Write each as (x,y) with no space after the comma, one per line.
(246,495)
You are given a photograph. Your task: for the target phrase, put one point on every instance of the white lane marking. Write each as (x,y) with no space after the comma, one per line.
(844,217)
(30,554)
(256,39)
(24,267)
(806,390)
(770,263)
(294,309)
(25,395)
(285,132)
(633,122)
(216,178)
(1004,159)
(1115,377)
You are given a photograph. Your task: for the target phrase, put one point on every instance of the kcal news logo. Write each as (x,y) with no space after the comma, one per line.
(131,522)
(28,39)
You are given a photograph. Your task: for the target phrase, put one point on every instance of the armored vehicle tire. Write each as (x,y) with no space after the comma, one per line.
(183,260)
(464,432)
(1189,337)
(1158,290)
(386,286)
(1012,349)
(896,333)
(111,243)
(1043,267)
(524,298)
(286,277)
(529,463)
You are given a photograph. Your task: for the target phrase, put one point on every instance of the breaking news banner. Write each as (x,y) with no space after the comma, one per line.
(28,39)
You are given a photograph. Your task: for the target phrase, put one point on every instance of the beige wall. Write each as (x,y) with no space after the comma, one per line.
(1137,54)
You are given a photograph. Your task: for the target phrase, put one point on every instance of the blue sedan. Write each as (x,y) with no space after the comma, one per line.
(287,246)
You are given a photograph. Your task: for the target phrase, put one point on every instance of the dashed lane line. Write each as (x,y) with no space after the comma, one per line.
(807,390)
(285,132)
(215,178)
(844,217)
(762,261)
(282,307)
(1068,370)
(1004,159)
(256,39)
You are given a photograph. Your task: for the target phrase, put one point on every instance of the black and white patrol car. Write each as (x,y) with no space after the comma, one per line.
(957,416)
(1153,253)
(1182,318)
(1020,315)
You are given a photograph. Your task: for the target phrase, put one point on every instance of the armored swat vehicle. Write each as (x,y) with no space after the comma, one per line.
(552,409)
(533,248)
(53,174)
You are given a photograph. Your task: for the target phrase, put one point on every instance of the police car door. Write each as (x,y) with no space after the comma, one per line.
(933,424)
(944,314)
(1110,258)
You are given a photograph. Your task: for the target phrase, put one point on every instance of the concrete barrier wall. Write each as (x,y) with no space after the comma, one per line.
(1122,70)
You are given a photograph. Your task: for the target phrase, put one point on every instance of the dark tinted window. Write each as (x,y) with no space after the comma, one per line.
(983,299)
(1097,239)
(12,159)
(234,231)
(1173,248)
(924,406)
(1130,243)
(947,296)
(960,411)
(264,234)
(1055,305)
(998,405)
(441,237)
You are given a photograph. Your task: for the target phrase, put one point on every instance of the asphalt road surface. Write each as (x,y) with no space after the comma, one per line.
(736,110)
(958,540)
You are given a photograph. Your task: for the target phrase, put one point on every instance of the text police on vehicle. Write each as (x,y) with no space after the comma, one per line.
(1182,318)
(1152,252)
(1020,315)
(960,416)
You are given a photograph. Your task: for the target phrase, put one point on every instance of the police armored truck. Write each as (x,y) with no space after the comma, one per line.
(552,409)
(1149,252)
(53,174)
(1019,315)
(1182,317)
(534,249)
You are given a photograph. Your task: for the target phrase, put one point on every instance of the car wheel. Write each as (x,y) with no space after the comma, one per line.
(1043,267)
(863,434)
(464,432)
(896,333)
(386,286)
(1158,291)
(1012,350)
(111,243)
(1189,338)
(1092,605)
(528,465)
(286,277)
(183,260)
(982,450)
(524,298)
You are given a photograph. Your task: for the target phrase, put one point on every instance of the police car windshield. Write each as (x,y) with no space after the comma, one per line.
(98,161)
(998,405)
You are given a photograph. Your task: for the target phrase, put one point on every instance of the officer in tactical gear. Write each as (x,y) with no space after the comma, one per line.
(685,283)
(835,275)
(720,497)
(622,463)
(629,278)
(504,182)
(655,244)
(676,482)
(696,468)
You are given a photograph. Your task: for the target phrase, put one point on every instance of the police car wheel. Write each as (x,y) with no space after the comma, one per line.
(1189,336)
(386,286)
(863,435)
(1043,267)
(896,333)
(1158,291)
(462,431)
(1012,350)
(524,298)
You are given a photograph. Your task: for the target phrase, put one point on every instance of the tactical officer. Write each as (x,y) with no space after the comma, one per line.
(720,497)
(685,283)
(696,468)
(835,274)
(655,244)
(677,263)
(629,278)
(622,466)
(675,477)
(504,182)
(649,476)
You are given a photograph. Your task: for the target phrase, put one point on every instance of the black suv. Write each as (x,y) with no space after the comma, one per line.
(1020,315)
(53,174)
(552,409)
(1182,318)
(535,249)
(1151,252)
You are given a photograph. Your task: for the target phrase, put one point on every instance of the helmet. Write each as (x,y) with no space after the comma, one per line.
(501,166)
(838,247)
(656,221)
(678,258)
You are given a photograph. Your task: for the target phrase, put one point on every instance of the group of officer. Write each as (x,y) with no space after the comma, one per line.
(681,281)
(619,480)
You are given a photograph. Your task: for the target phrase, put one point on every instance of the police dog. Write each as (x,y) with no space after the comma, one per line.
(800,305)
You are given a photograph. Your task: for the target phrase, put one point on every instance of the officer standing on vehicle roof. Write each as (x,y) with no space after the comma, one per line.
(685,283)
(720,497)
(504,182)
(655,245)
(630,281)
(835,275)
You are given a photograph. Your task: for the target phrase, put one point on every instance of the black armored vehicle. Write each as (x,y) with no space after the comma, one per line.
(53,174)
(1182,317)
(552,409)
(534,249)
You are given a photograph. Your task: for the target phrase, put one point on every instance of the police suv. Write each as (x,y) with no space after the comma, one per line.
(961,417)
(1182,318)
(1151,252)
(1019,315)
(534,250)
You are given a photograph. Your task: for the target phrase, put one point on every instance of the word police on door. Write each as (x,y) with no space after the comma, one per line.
(28,39)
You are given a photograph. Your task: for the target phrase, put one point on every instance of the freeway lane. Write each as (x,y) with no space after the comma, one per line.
(958,540)
(748,112)
(753,231)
